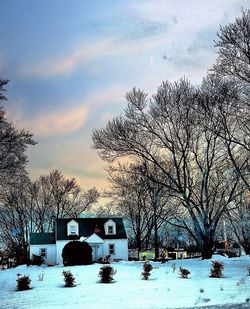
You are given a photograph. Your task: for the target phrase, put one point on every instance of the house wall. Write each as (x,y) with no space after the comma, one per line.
(97,251)
(121,248)
(51,253)
(59,247)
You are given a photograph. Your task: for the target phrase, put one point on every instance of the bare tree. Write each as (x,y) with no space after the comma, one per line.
(16,220)
(55,196)
(238,216)
(233,63)
(129,195)
(234,48)
(3,82)
(169,132)
(13,144)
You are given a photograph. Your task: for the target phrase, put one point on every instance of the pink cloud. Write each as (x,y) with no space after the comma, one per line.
(52,123)
(58,122)
(66,64)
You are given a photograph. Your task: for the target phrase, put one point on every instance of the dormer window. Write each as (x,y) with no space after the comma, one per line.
(72,228)
(110,227)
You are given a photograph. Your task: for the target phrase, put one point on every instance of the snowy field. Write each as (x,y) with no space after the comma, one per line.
(165,289)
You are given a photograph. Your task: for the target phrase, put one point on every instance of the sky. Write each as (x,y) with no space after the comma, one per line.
(70,64)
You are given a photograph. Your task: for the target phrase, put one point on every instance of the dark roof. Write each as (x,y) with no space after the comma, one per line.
(42,238)
(88,226)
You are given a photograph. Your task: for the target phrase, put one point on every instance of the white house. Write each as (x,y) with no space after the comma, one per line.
(106,236)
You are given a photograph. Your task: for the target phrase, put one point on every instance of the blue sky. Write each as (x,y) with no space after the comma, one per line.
(70,64)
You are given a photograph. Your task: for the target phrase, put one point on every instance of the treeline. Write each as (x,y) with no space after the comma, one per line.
(189,151)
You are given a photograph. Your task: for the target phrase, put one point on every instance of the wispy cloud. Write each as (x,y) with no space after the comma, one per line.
(64,121)
(66,64)
(159,24)
(82,55)
(59,122)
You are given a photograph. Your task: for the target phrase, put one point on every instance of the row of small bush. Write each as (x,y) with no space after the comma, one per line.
(216,270)
(107,273)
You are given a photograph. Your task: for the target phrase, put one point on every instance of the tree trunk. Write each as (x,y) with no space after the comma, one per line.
(138,243)
(246,247)
(156,244)
(207,247)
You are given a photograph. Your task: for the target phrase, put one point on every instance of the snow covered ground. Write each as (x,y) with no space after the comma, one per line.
(165,289)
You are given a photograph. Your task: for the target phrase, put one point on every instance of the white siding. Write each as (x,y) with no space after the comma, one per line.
(59,247)
(51,253)
(121,248)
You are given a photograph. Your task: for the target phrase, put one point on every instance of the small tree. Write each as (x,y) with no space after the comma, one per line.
(184,273)
(23,282)
(106,274)
(147,267)
(69,279)
(216,270)
(37,260)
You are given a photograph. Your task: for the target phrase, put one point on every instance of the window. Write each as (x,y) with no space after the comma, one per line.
(111,249)
(43,252)
(110,229)
(72,230)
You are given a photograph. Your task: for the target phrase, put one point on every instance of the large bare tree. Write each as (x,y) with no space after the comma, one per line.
(170,131)
(233,64)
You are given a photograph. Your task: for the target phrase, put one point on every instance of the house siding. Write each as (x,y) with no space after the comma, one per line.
(121,248)
(51,253)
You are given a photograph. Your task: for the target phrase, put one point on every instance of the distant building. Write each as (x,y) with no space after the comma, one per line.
(106,236)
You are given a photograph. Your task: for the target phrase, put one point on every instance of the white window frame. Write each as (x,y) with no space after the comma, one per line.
(113,249)
(107,224)
(43,252)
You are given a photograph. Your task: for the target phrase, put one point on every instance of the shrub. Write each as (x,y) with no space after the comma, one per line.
(184,272)
(216,270)
(69,280)
(147,267)
(23,282)
(77,253)
(36,260)
(106,274)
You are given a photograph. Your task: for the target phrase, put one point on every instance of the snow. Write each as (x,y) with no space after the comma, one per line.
(165,289)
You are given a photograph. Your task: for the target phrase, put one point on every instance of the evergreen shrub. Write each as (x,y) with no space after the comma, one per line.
(23,282)
(216,270)
(184,273)
(147,267)
(106,274)
(69,280)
